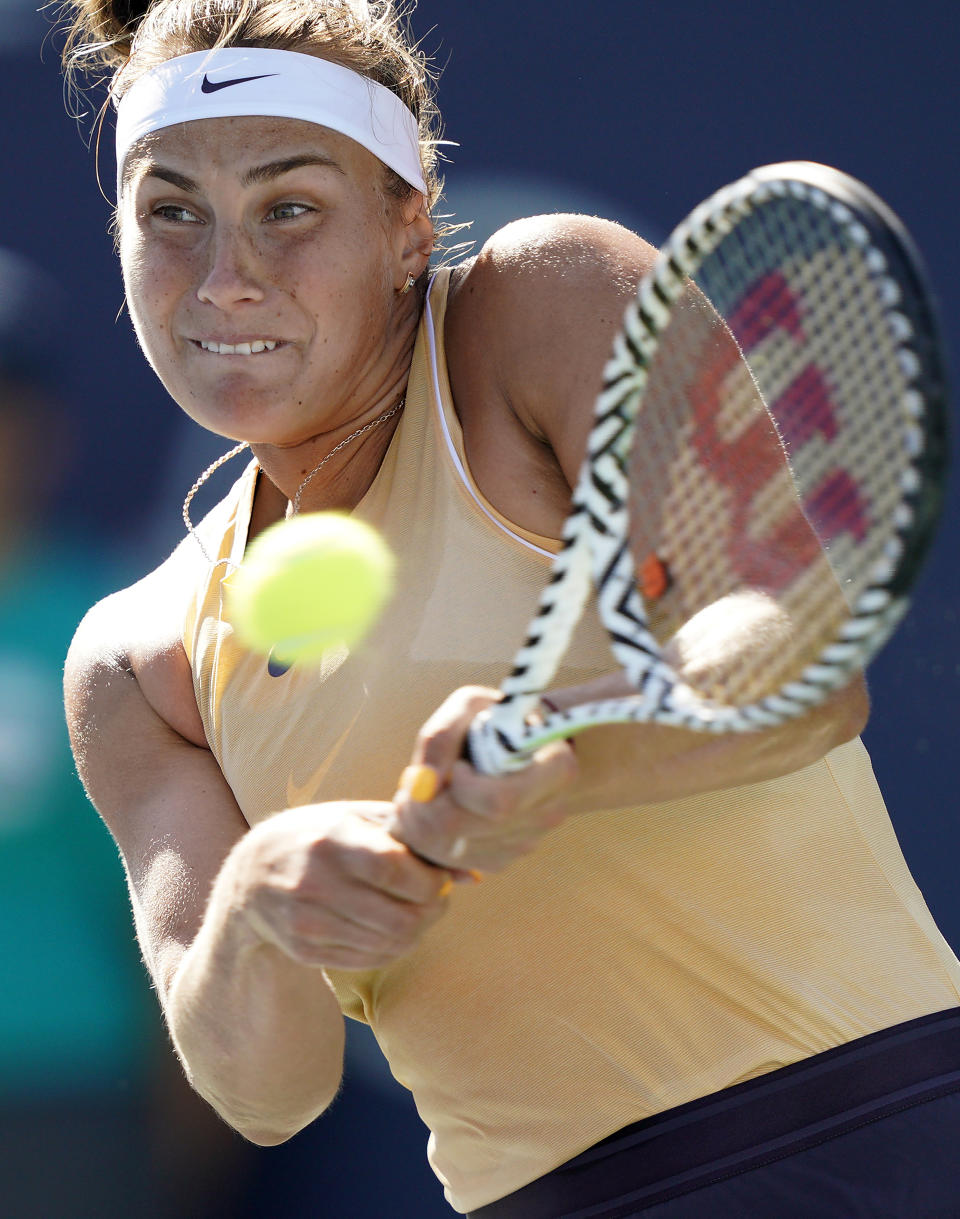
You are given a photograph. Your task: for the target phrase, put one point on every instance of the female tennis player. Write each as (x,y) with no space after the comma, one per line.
(696,978)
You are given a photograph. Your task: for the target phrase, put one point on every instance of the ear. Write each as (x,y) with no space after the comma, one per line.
(415,240)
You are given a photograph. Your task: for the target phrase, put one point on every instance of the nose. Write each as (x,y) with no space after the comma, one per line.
(234,275)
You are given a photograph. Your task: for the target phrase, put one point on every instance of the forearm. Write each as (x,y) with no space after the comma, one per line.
(483,822)
(260,1035)
(627,764)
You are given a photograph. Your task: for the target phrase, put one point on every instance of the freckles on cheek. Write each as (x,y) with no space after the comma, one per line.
(147,310)
(152,326)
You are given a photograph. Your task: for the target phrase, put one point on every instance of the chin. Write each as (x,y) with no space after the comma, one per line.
(257,422)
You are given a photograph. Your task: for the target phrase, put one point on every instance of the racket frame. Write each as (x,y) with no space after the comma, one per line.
(594,551)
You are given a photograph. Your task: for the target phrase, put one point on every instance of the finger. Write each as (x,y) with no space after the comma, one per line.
(356,917)
(479,818)
(551,771)
(494,854)
(373,920)
(372,856)
(428,830)
(420,784)
(440,743)
(404,876)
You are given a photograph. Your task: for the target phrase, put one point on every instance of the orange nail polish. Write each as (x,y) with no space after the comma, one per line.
(420,783)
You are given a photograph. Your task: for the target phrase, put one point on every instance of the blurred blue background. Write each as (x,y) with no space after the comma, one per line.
(634,111)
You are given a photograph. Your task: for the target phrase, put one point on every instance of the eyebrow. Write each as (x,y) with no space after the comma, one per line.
(256,175)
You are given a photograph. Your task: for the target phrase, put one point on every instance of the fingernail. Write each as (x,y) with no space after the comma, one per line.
(420,783)
(477,876)
(447,888)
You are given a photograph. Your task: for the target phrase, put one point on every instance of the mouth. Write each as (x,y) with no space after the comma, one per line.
(249,347)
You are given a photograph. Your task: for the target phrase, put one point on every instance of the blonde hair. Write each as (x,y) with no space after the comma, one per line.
(126,38)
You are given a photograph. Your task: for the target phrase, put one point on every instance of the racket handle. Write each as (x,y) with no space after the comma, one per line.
(487,748)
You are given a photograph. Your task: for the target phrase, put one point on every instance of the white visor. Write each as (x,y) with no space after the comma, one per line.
(276,84)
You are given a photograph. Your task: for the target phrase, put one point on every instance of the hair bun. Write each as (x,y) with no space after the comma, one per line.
(100,34)
(128,14)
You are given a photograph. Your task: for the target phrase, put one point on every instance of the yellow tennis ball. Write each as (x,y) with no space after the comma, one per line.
(308,584)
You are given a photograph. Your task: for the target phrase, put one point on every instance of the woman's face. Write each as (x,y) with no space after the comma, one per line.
(261,260)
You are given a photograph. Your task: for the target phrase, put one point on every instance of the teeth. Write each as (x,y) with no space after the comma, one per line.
(238,349)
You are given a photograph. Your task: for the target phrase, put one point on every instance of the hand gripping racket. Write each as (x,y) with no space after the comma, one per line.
(769,449)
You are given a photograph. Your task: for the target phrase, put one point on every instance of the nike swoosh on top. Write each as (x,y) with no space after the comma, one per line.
(277,668)
(210,86)
(306,793)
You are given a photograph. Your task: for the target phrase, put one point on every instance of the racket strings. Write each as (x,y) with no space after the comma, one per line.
(760,488)
(826,451)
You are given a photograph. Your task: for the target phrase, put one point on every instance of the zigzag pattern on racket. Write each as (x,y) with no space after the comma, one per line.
(614,574)
(598,503)
(559,607)
(624,616)
(611,434)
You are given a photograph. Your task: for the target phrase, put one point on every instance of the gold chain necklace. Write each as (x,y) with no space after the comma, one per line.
(294,505)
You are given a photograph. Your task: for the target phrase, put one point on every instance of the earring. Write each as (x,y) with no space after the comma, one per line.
(408,285)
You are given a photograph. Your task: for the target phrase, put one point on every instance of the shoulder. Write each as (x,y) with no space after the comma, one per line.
(545,275)
(554,259)
(133,639)
(543,285)
(130,644)
(532,319)
(561,240)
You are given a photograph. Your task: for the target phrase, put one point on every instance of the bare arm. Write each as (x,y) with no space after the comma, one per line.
(235,924)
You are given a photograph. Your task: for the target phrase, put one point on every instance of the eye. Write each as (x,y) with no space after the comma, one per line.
(288,211)
(176,213)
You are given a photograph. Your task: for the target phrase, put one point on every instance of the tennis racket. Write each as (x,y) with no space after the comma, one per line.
(769,448)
